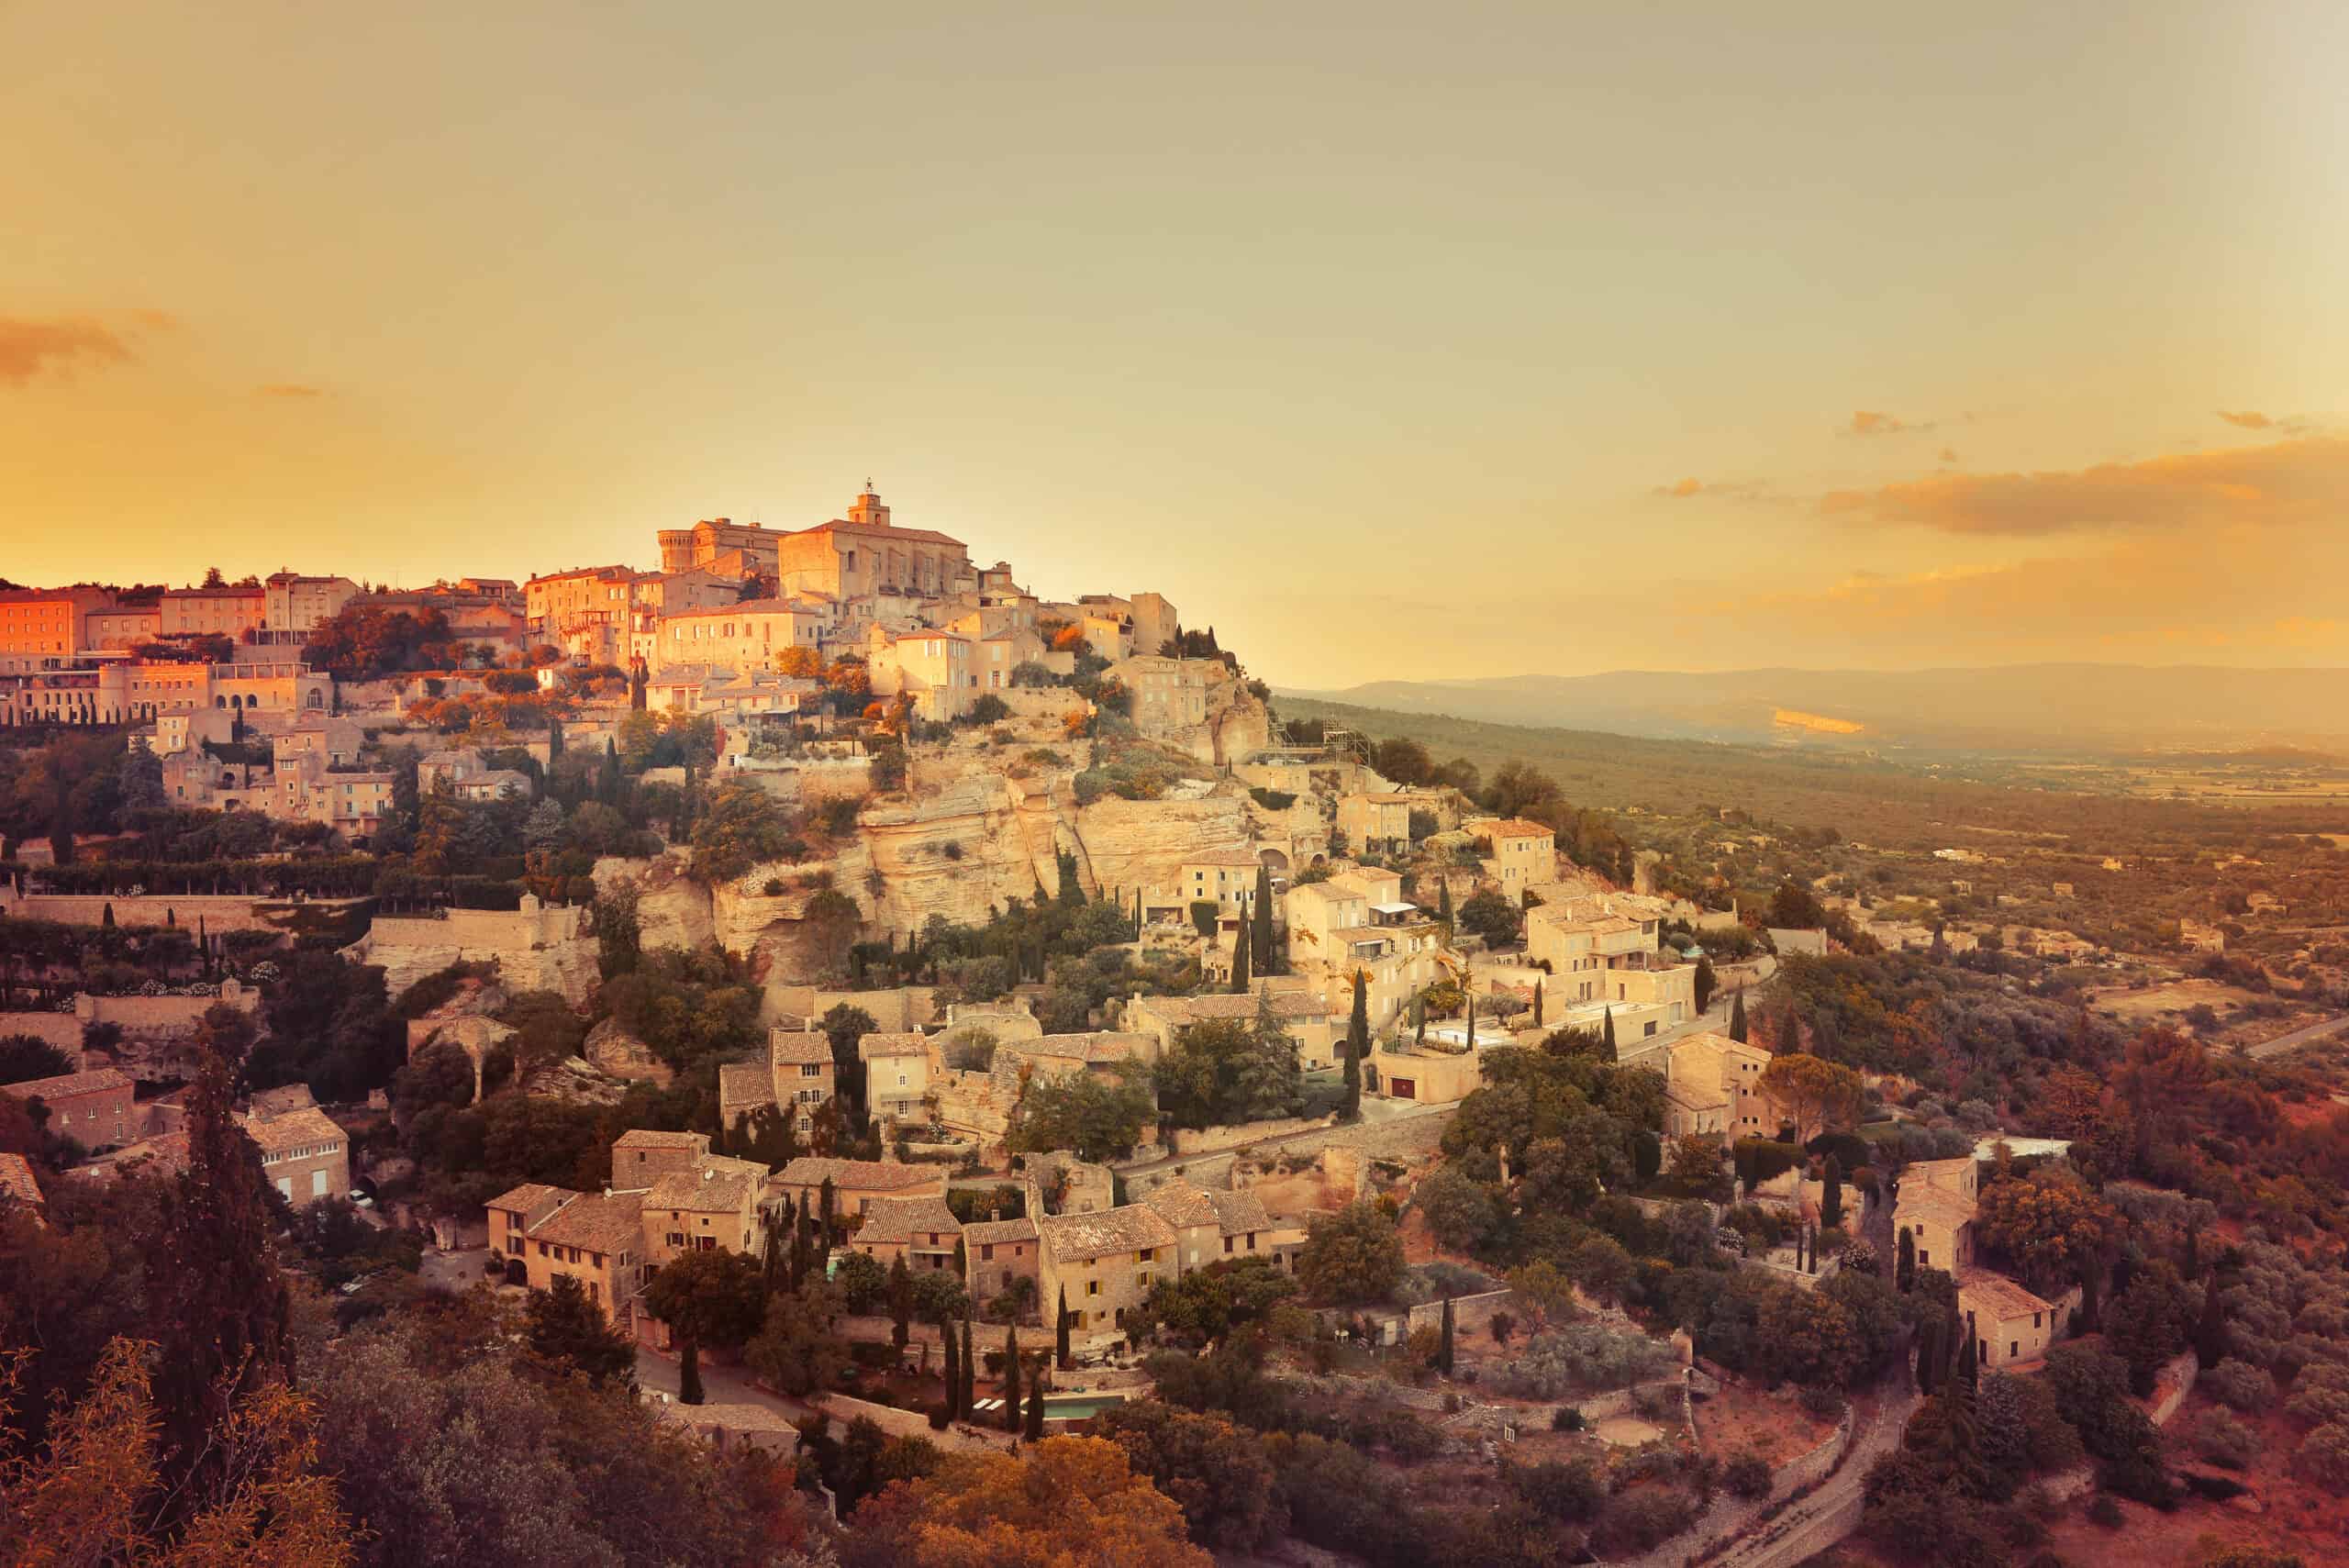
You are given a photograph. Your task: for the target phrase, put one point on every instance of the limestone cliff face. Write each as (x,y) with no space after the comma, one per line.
(567,968)
(979,842)
(1141,844)
(672,910)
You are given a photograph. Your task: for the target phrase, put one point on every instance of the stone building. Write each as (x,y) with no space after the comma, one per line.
(797,1072)
(598,1239)
(923,1231)
(857,1185)
(998,1255)
(305,1153)
(1103,1264)
(93,1108)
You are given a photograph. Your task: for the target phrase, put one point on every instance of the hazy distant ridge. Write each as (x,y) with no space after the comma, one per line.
(2032,706)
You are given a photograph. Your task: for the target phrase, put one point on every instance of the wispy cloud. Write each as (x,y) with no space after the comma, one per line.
(292,389)
(2247,418)
(2293,481)
(1682,489)
(1873,422)
(59,345)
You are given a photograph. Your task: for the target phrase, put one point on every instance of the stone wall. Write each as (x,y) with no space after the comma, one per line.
(149,1018)
(1213,1140)
(897,1011)
(535,948)
(63,1030)
(2176,1381)
(1469,1313)
(219,912)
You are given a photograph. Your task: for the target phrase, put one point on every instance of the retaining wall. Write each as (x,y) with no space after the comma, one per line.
(220,912)
(1215,1139)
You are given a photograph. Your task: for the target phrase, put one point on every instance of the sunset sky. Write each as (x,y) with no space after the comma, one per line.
(1394,339)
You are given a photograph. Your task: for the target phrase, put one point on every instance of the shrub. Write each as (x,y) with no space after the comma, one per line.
(2226,1441)
(2239,1385)
(938,1418)
(2317,1406)
(1581,1356)
(1822,1402)
(2105,1511)
(1641,1519)
(1566,1418)
(2324,1457)
(1747,1476)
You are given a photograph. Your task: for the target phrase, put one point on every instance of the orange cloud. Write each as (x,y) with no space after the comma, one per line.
(27,346)
(1868,422)
(1949,454)
(2295,481)
(2249,418)
(292,389)
(1681,491)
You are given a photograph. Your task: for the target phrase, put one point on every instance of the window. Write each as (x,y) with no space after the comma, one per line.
(986,1251)
(2013,1349)
(1093,1287)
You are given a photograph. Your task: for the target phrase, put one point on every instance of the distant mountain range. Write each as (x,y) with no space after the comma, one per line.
(2028,707)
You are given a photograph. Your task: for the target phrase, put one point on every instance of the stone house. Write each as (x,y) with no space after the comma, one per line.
(2009,1323)
(711,1206)
(94,1109)
(798,1072)
(933,669)
(1103,1264)
(598,1239)
(747,636)
(923,1231)
(1308,1017)
(1712,1070)
(1314,912)
(1427,1075)
(1375,824)
(1603,948)
(857,1185)
(1211,1226)
(896,1074)
(1935,1208)
(1523,852)
(642,1156)
(1226,878)
(997,1254)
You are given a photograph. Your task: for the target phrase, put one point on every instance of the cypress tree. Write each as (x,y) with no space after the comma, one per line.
(105,917)
(901,1302)
(1607,1032)
(1830,1194)
(1266,961)
(2210,1332)
(1537,1003)
(1357,1046)
(952,1371)
(1419,1018)
(1241,942)
(689,1391)
(1444,1354)
(1060,1333)
(970,1373)
(1737,1025)
(1032,1429)
(1443,900)
(1904,1274)
(1966,1369)
(1472,1024)
(1929,1353)
(1010,1379)
(1137,914)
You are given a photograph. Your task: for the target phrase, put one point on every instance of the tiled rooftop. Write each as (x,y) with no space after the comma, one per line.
(1104,1231)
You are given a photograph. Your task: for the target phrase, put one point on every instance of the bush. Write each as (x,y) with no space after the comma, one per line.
(2324,1457)
(938,1418)
(1747,1476)
(1640,1520)
(2105,1511)
(1581,1356)
(1566,1418)
(2239,1385)
(2226,1441)
(1822,1402)
(2318,1406)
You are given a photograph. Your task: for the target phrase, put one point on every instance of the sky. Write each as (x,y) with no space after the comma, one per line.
(1392,341)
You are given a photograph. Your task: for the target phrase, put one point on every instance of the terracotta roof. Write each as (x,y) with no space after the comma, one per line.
(1100,1045)
(651,1138)
(704,1190)
(1182,1203)
(1240,1212)
(67,1084)
(910,1043)
(17,1179)
(1997,1297)
(601,1222)
(526,1198)
(292,1129)
(745,1086)
(1507,827)
(166,1152)
(1125,1229)
(887,530)
(800,1047)
(1237,855)
(810,1170)
(1936,1203)
(901,1218)
(1288,1006)
(996,1232)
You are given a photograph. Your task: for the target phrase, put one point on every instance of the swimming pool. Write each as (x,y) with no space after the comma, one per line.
(1079,1407)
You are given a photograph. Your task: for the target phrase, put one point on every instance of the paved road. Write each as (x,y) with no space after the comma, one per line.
(2306,1035)
(1826,1515)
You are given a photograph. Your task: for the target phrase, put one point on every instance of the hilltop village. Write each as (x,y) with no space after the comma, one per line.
(863,1020)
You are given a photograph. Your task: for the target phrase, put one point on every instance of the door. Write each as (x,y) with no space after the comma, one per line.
(317,1183)
(1403,1088)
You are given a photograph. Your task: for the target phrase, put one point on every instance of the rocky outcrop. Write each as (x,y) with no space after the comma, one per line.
(567,968)
(1141,844)
(575,1081)
(672,909)
(961,853)
(613,1050)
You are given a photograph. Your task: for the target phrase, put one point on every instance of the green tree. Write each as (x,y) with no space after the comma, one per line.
(1488,914)
(714,1297)
(1242,941)
(1461,1212)
(1738,1028)
(901,1302)
(1705,981)
(1817,1094)
(796,1348)
(1830,1193)
(1267,961)
(1060,1332)
(2049,1226)
(1357,1048)
(1099,1118)
(1353,1255)
(1217,1472)
(26,1056)
(562,1326)
(1011,1410)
